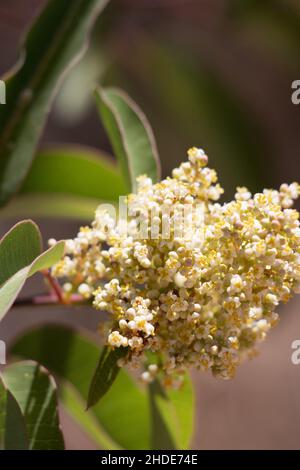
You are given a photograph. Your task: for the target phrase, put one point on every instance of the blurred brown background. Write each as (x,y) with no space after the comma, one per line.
(211,73)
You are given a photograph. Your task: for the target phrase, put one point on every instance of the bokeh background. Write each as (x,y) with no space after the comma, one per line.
(215,74)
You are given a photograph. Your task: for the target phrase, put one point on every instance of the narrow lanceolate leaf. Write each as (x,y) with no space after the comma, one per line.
(54,43)
(18,248)
(130,135)
(13,434)
(105,374)
(35,391)
(18,265)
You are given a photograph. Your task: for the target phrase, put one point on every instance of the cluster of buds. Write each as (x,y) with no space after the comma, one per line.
(206,294)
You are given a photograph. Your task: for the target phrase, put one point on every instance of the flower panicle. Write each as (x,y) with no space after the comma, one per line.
(201,301)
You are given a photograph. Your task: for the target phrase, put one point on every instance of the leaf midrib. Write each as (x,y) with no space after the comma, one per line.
(38,75)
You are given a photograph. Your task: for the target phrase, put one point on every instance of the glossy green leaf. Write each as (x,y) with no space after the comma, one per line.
(18,248)
(124,413)
(105,374)
(12,287)
(130,135)
(13,434)
(74,171)
(35,391)
(54,43)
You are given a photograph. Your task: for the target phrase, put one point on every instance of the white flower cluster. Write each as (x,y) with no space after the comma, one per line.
(202,300)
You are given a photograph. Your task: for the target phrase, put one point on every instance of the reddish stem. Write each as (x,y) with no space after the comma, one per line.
(55,297)
(55,287)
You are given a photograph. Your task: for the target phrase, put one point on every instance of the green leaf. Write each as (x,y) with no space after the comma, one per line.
(73,360)
(18,248)
(68,182)
(105,374)
(161,437)
(35,391)
(130,135)
(11,288)
(48,258)
(75,406)
(51,205)
(172,415)
(55,42)
(75,171)
(13,435)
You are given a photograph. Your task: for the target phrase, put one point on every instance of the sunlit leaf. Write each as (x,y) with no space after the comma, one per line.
(75,406)
(161,437)
(73,359)
(51,205)
(18,248)
(172,415)
(13,435)
(55,41)
(35,391)
(68,182)
(15,262)
(74,171)
(105,374)
(130,135)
